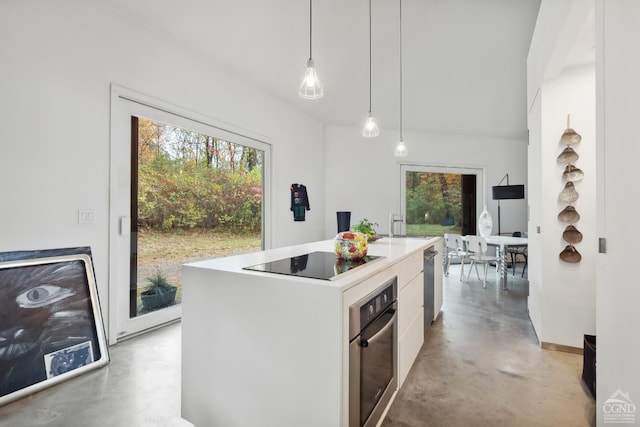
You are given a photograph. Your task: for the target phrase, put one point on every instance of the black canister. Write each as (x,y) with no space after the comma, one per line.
(344,221)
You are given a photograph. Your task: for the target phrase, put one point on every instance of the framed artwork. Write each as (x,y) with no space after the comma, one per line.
(51,325)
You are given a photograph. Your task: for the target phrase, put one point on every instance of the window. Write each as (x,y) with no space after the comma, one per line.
(439,200)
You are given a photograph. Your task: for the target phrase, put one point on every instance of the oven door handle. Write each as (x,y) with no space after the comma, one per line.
(364,342)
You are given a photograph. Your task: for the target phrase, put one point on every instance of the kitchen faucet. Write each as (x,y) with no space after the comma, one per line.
(393,218)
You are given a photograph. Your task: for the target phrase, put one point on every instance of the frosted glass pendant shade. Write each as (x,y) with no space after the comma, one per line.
(311,88)
(568,156)
(485,223)
(568,193)
(370,129)
(569,215)
(572,173)
(401,149)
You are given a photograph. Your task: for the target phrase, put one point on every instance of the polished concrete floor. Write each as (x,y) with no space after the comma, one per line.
(480,366)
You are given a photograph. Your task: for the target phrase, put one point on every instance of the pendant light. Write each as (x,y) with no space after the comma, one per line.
(401,148)
(311,88)
(371,128)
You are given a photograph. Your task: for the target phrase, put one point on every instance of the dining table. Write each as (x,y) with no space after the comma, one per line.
(501,243)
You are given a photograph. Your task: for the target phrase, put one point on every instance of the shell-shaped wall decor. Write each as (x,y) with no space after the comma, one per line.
(571,234)
(570,136)
(572,173)
(568,193)
(569,215)
(568,156)
(570,254)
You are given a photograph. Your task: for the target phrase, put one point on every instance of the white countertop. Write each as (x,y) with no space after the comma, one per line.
(392,249)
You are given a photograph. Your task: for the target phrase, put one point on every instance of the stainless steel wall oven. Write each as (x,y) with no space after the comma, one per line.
(373,349)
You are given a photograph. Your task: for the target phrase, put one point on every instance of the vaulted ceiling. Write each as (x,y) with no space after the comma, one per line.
(464,61)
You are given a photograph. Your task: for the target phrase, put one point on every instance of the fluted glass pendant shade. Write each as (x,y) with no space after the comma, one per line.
(370,129)
(401,149)
(311,88)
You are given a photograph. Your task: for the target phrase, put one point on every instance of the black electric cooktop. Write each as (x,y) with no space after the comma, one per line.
(315,265)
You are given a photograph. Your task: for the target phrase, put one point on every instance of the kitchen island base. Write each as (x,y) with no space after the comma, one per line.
(273,350)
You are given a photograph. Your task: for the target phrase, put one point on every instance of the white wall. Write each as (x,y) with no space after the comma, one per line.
(363,176)
(534,267)
(562,295)
(558,28)
(58,61)
(618,293)
(568,290)
(616,153)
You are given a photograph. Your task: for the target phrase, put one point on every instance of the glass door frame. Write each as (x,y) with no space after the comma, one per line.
(126,103)
(480,172)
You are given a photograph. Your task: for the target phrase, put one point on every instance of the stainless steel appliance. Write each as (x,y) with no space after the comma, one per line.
(429,310)
(373,349)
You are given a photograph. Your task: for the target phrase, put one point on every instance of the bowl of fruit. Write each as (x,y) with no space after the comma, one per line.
(351,245)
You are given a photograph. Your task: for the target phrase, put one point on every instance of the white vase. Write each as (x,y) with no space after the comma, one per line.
(485,223)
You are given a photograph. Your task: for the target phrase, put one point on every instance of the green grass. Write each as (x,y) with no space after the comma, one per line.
(431,229)
(165,252)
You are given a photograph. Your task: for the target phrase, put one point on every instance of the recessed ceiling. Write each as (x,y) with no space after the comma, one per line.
(464,61)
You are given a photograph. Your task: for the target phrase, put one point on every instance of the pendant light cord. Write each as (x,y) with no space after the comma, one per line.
(310,25)
(369,57)
(401,69)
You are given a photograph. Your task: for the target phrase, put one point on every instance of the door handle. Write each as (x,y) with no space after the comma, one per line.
(125,226)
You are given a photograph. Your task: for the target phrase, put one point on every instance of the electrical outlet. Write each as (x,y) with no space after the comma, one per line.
(86,216)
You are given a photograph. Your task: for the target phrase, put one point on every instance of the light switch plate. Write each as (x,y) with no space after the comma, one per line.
(86,216)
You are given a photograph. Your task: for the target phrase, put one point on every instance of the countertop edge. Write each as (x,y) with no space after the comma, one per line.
(392,249)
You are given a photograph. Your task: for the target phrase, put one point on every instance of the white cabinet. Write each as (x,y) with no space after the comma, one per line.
(408,268)
(410,312)
(410,325)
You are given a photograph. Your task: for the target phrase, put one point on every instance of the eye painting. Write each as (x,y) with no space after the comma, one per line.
(42,295)
(50,321)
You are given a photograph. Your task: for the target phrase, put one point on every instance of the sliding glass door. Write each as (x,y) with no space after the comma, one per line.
(182,191)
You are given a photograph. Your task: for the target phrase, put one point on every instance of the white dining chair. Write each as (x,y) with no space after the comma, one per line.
(455,250)
(450,248)
(477,250)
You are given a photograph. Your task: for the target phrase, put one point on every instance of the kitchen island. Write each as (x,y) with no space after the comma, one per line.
(264,349)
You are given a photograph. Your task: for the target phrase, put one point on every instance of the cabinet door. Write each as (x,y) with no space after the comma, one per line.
(409,346)
(410,324)
(410,300)
(409,268)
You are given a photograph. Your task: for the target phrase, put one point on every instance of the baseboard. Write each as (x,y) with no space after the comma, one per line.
(563,348)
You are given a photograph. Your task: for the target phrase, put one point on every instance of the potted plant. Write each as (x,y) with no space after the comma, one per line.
(159,293)
(366,227)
